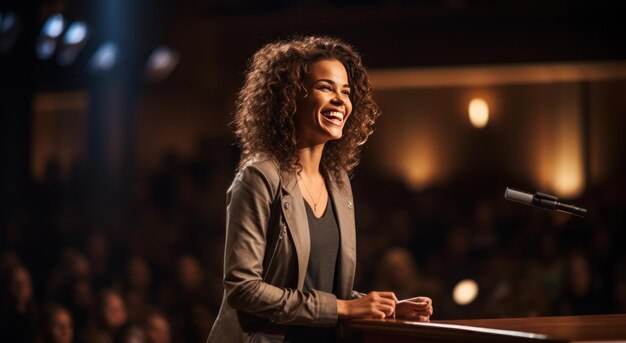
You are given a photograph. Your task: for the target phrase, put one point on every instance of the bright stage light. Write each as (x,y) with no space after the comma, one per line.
(9,28)
(105,57)
(76,33)
(161,63)
(478,112)
(54,26)
(7,22)
(45,48)
(74,40)
(47,41)
(465,292)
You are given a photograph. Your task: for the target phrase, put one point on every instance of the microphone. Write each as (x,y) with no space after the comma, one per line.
(542,200)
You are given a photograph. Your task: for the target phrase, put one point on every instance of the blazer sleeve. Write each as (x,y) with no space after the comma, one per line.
(249,201)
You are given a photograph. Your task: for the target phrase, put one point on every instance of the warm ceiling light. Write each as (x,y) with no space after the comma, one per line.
(478,113)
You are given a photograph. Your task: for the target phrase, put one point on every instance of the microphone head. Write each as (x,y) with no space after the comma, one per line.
(517,196)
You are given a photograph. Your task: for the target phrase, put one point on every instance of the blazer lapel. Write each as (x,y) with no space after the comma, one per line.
(297,222)
(344,210)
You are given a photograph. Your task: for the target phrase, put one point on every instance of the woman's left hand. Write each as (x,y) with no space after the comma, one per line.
(418,308)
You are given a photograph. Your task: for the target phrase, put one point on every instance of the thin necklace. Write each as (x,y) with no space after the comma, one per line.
(311,195)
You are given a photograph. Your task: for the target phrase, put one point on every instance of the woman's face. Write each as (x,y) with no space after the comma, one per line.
(323,111)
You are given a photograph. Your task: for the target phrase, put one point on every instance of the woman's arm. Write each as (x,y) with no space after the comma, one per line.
(249,201)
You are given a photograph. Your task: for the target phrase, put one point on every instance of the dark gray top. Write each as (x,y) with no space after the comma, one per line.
(320,272)
(324,231)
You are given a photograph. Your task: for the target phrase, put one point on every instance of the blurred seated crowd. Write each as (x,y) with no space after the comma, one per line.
(147,266)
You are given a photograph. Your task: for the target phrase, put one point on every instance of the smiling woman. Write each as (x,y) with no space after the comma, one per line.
(325,106)
(275,81)
(320,117)
(302,116)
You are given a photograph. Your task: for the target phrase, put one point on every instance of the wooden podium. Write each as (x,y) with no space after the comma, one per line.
(604,328)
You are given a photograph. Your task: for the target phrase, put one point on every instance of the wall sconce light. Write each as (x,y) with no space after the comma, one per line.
(478,113)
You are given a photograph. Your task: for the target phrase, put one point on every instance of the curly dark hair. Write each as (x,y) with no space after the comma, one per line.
(264,118)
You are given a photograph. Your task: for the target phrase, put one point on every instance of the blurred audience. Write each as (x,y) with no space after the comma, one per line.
(137,288)
(56,325)
(149,269)
(111,318)
(112,323)
(157,328)
(581,294)
(397,270)
(18,313)
(191,313)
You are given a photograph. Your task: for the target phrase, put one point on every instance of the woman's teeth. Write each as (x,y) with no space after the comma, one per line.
(333,115)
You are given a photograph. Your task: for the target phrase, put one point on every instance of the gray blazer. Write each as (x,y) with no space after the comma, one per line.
(259,303)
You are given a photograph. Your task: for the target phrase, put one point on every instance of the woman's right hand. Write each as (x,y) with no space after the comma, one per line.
(373,305)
